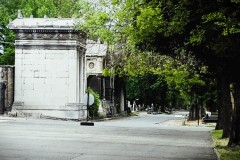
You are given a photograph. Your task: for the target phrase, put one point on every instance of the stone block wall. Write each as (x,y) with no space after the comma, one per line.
(47,78)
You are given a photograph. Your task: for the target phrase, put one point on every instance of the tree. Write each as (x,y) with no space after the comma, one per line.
(207,29)
(220,40)
(161,80)
(120,30)
(8,11)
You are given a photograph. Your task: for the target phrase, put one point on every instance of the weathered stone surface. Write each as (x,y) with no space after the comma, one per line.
(95,54)
(7,77)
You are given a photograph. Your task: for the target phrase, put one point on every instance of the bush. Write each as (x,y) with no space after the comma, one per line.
(93,109)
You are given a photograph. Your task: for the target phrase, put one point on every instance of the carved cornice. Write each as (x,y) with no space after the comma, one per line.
(33,34)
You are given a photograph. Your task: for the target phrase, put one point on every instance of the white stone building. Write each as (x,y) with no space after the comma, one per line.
(95,53)
(49,67)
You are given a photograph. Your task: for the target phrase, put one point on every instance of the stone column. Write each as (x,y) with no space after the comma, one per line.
(104,88)
(81,75)
(10,86)
(84,71)
(122,102)
(5,80)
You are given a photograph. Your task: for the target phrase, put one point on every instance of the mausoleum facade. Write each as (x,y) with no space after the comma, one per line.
(50,73)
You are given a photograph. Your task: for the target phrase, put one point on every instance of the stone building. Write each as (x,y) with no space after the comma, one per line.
(95,55)
(111,93)
(50,77)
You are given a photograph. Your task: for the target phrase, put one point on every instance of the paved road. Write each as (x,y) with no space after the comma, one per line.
(135,138)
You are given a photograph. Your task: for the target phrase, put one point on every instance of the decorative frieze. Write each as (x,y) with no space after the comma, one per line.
(50,35)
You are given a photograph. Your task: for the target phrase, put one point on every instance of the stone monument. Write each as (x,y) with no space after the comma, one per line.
(50,78)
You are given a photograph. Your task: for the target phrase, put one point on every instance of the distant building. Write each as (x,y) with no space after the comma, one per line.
(111,93)
(95,55)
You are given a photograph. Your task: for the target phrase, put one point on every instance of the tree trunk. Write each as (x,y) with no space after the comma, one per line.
(192,112)
(235,130)
(219,104)
(227,106)
(162,108)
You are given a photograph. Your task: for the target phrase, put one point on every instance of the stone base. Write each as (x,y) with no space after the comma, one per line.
(72,111)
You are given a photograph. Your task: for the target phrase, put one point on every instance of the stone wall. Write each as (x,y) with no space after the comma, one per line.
(47,78)
(7,78)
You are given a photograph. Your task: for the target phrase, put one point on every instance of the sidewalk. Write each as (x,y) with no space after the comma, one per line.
(187,123)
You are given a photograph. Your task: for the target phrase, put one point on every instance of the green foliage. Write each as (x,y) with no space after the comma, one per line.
(93,109)
(197,36)
(141,22)
(204,29)
(147,88)
(175,79)
(217,134)
(51,8)
(133,114)
(8,57)
(8,10)
(98,21)
(138,22)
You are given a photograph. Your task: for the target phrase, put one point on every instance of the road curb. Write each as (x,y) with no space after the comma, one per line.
(110,118)
(217,153)
(6,119)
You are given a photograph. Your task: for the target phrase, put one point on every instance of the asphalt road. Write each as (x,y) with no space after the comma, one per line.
(135,138)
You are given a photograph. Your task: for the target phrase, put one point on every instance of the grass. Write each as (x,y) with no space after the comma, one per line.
(133,114)
(214,113)
(226,152)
